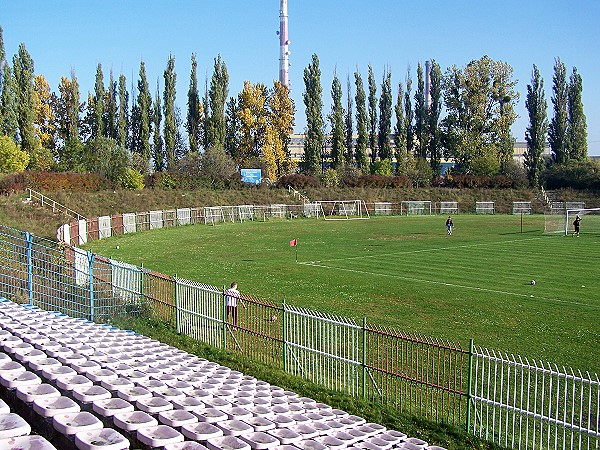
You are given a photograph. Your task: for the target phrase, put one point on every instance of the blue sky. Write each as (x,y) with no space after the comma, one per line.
(65,35)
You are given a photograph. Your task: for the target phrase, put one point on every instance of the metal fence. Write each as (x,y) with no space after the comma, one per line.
(505,399)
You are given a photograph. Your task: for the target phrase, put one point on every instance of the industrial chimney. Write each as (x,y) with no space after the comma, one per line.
(427,84)
(284,52)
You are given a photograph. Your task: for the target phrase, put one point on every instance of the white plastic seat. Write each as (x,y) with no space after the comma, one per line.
(11,367)
(176,418)
(169,393)
(33,355)
(53,372)
(13,425)
(131,421)
(72,423)
(310,444)
(210,415)
(111,406)
(186,445)
(159,436)
(133,393)
(28,393)
(99,375)
(13,380)
(4,408)
(259,440)
(416,442)
(104,439)
(331,442)
(201,431)
(285,435)
(49,407)
(116,384)
(228,442)
(84,366)
(70,382)
(235,427)
(88,394)
(260,423)
(188,404)
(154,405)
(26,442)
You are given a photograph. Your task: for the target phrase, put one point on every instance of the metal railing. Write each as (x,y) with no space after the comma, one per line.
(47,202)
(505,399)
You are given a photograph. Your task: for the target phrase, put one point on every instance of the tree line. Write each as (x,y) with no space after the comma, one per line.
(125,134)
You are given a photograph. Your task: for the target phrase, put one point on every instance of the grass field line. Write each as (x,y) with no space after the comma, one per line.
(443,283)
(425,250)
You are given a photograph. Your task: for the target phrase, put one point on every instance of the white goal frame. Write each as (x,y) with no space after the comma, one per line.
(342,209)
(572,213)
(416,207)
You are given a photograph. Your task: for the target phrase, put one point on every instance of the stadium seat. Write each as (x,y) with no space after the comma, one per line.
(72,423)
(49,407)
(29,393)
(159,436)
(131,421)
(229,442)
(26,442)
(13,425)
(104,438)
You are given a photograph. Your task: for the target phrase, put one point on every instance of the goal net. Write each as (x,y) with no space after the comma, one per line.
(342,209)
(416,207)
(590,220)
(560,221)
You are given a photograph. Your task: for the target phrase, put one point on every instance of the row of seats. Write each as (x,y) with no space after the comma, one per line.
(91,386)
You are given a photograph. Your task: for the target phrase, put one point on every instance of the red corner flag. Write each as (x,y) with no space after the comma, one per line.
(293,242)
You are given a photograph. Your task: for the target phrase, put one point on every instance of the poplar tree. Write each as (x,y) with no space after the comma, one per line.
(232,129)
(433,117)
(315,139)
(111,127)
(577,130)
(158,153)
(123,113)
(400,133)
(97,117)
(280,124)
(372,114)
(385,118)
(141,118)
(2,63)
(170,127)
(362,120)
(420,115)
(23,75)
(217,96)
(536,131)
(8,105)
(194,112)
(348,127)
(557,131)
(408,117)
(336,118)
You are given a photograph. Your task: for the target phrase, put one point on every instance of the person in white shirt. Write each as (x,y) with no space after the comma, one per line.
(232,295)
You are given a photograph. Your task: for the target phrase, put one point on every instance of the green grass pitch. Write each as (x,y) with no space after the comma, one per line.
(406,272)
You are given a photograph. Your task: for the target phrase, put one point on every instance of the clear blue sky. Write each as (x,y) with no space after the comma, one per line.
(65,35)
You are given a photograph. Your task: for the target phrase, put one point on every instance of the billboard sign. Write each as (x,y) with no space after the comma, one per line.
(252,176)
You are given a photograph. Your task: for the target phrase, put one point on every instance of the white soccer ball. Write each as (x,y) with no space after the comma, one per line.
(117,247)
(533,282)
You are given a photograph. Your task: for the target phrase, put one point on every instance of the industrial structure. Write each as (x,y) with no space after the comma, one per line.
(284,44)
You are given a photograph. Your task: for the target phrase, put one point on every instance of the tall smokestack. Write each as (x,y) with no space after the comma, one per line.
(284,52)
(427,84)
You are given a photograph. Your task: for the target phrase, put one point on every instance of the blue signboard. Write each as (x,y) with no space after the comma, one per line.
(252,176)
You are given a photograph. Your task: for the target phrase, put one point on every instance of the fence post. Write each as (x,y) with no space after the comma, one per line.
(176,303)
(224,319)
(284,336)
(364,358)
(469,386)
(29,241)
(91,256)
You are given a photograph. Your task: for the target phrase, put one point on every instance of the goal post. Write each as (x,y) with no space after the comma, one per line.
(416,207)
(590,219)
(342,209)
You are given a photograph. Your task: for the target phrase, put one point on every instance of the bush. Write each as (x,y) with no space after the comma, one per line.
(330,178)
(68,181)
(573,174)
(383,168)
(12,158)
(132,179)
(298,181)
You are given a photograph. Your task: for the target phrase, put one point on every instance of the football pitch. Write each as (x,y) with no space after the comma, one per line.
(406,273)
